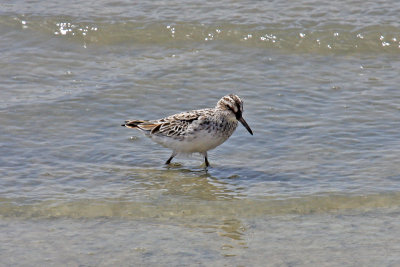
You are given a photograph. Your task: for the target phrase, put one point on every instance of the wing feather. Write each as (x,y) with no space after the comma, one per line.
(178,124)
(174,125)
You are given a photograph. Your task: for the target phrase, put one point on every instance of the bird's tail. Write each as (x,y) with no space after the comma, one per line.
(133,123)
(148,127)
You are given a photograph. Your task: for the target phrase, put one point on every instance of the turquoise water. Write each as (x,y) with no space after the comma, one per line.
(317,184)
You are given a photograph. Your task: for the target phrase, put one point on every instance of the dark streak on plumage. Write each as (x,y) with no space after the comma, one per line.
(155,129)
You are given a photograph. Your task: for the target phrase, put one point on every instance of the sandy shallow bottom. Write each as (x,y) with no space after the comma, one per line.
(367,238)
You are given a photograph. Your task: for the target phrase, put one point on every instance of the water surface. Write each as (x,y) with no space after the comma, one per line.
(317,184)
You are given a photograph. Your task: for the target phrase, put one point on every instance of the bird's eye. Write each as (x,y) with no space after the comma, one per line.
(229,108)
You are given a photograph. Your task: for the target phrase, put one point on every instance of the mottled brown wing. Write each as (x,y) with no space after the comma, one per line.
(176,125)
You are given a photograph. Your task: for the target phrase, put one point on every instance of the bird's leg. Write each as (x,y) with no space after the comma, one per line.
(206,160)
(170,158)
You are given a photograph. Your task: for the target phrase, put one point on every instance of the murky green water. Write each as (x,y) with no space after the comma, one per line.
(317,184)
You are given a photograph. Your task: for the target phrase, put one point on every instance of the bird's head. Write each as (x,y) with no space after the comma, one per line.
(232,103)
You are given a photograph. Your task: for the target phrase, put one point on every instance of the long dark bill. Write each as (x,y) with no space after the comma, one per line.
(246,125)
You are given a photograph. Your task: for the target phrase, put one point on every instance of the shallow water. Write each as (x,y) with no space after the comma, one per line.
(317,184)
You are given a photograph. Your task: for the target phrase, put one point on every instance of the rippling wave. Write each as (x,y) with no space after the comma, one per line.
(93,208)
(327,38)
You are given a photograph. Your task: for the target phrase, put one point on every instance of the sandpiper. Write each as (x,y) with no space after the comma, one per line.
(196,130)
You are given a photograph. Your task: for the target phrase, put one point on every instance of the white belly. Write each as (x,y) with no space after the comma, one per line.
(199,142)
